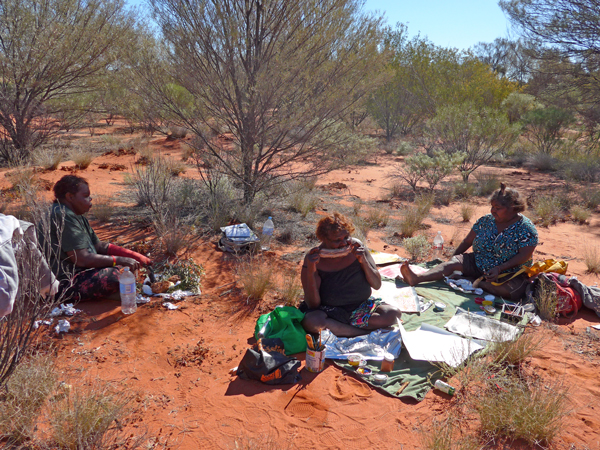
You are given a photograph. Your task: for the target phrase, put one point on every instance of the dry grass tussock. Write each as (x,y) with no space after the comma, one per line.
(103,208)
(546,300)
(591,258)
(48,158)
(580,214)
(466,212)
(548,209)
(413,216)
(82,157)
(418,247)
(256,277)
(506,402)
(289,287)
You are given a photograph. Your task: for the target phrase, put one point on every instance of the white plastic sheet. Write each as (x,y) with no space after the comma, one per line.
(473,325)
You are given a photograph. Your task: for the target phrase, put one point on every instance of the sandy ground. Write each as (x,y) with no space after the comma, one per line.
(176,363)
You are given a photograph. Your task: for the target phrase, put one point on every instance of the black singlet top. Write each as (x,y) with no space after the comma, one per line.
(347,288)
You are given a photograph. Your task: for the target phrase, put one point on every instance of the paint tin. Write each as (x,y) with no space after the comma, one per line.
(354,360)
(444,387)
(315,361)
(364,371)
(387,365)
(439,307)
(380,379)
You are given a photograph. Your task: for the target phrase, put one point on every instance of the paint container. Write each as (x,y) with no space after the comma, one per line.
(489,297)
(354,360)
(439,307)
(387,365)
(315,361)
(364,371)
(489,309)
(444,387)
(379,379)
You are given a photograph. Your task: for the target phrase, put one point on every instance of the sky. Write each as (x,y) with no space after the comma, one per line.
(448,23)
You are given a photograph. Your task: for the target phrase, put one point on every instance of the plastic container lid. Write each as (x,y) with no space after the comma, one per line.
(388,357)
(489,297)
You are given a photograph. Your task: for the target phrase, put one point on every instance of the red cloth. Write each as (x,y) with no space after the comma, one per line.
(120,251)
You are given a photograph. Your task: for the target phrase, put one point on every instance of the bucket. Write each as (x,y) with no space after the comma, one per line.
(315,361)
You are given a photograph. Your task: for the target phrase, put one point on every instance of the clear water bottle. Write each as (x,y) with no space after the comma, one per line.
(128,292)
(438,245)
(267,233)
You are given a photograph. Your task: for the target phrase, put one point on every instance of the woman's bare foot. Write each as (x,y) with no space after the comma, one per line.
(409,277)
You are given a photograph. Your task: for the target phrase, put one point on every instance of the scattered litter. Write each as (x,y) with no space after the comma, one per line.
(140,299)
(178,295)
(37,323)
(169,305)
(371,346)
(426,306)
(62,327)
(233,370)
(597,327)
(535,320)
(64,310)
(146,289)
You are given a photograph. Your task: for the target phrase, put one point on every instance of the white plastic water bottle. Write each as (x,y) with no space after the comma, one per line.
(438,245)
(128,292)
(267,233)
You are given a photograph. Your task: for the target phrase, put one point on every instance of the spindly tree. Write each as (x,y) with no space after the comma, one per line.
(274,75)
(50,49)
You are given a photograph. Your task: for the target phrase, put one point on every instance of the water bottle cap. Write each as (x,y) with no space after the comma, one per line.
(270,217)
(126,269)
(439,232)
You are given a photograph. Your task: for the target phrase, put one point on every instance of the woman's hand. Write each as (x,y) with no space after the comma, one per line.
(312,258)
(127,262)
(359,251)
(492,274)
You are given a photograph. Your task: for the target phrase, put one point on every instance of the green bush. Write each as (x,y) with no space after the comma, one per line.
(580,214)
(545,127)
(432,169)
(479,133)
(464,190)
(487,183)
(418,247)
(590,197)
(548,209)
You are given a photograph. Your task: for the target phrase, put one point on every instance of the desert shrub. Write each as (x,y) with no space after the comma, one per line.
(153,185)
(548,209)
(22,179)
(487,183)
(445,196)
(466,212)
(424,203)
(47,158)
(404,148)
(27,390)
(464,190)
(478,134)
(411,221)
(590,197)
(286,236)
(445,435)
(82,157)
(432,169)
(289,287)
(518,104)
(591,258)
(521,411)
(103,208)
(176,168)
(171,233)
(256,278)
(580,214)
(88,417)
(357,205)
(112,142)
(138,143)
(586,169)
(177,132)
(303,202)
(362,228)
(189,273)
(545,127)
(418,247)
(377,217)
(542,161)
(514,352)
(546,300)
(396,190)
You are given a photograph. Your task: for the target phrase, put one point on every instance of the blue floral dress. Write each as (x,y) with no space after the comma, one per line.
(492,248)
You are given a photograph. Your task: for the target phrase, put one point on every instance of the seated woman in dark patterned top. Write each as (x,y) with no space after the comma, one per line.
(337,277)
(503,242)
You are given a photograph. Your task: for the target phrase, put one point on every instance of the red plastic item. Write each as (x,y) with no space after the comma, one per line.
(479,300)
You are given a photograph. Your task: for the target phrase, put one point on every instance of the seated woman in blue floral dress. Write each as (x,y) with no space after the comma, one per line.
(503,242)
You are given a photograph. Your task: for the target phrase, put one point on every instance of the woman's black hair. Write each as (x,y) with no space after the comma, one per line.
(509,198)
(68,183)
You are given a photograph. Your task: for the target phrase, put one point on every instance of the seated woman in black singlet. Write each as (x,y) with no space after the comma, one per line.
(337,277)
